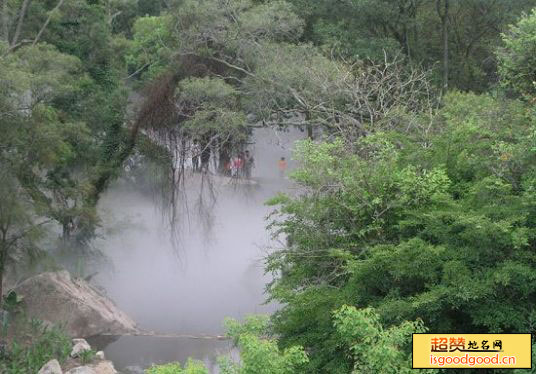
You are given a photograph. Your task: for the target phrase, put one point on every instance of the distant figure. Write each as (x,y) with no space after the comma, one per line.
(228,168)
(249,163)
(241,164)
(237,165)
(196,151)
(282,165)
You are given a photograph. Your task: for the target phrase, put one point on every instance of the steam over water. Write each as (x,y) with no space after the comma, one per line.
(216,271)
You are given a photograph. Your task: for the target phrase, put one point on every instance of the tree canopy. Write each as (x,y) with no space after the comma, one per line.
(416,202)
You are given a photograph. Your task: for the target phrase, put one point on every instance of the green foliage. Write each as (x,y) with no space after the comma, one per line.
(87,356)
(517,59)
(359,333)
(12,302)
(263,357)
(443,233)
(372,29)
(289,76)
(258,354)
(206,92)
(59,103)
(11,306)
(216,108)
(422,213)
(257,325)
(47,344)
(148,47)
(191,367)
(20,230)
(375,349)
(43,141)
(273,20)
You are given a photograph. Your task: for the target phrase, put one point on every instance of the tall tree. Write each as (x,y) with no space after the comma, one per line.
(364,29)
(517,61)
(5,21)
(19,223)
(443,13)
(414,229)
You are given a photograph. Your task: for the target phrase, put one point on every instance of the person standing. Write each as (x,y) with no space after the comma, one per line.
(238,165)
(282,165)
(249,163)
(234,166)
(241,164)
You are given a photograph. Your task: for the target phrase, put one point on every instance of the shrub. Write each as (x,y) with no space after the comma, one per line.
(191,367)
(50,343)
(87,357)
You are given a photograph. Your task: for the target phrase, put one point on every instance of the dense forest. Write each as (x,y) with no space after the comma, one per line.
(417,203)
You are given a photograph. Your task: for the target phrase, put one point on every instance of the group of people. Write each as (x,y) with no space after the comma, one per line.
(242,165)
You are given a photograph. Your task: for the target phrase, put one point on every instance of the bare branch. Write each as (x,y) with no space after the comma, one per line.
(20,23)
(112,17)
(138,71)
(60,3)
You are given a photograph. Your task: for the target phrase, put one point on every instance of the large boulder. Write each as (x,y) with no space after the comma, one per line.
(51,367)
(82,370)
(58,298)
(133,370)
(104,367)
(79,347)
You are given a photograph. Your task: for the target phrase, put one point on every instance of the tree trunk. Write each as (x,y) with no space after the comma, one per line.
(43,28)
(5,21)
(1,287)
(2,266)
(67,228)
(20,22)
(309,126)
(445,47)
(443,14)
(205,153)
(406,43)
(224,159)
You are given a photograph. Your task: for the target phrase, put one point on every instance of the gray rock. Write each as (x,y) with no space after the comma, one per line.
(51,367)
(80,345)
(82,370)
(133,370)
(60,299)
(104,367)
(79,340)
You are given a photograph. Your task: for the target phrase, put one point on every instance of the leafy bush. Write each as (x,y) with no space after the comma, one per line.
(51,343)
(444,232)
(359,334)
(517,59)
(87,356)
(260,354)
(192,367)
(373,348)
